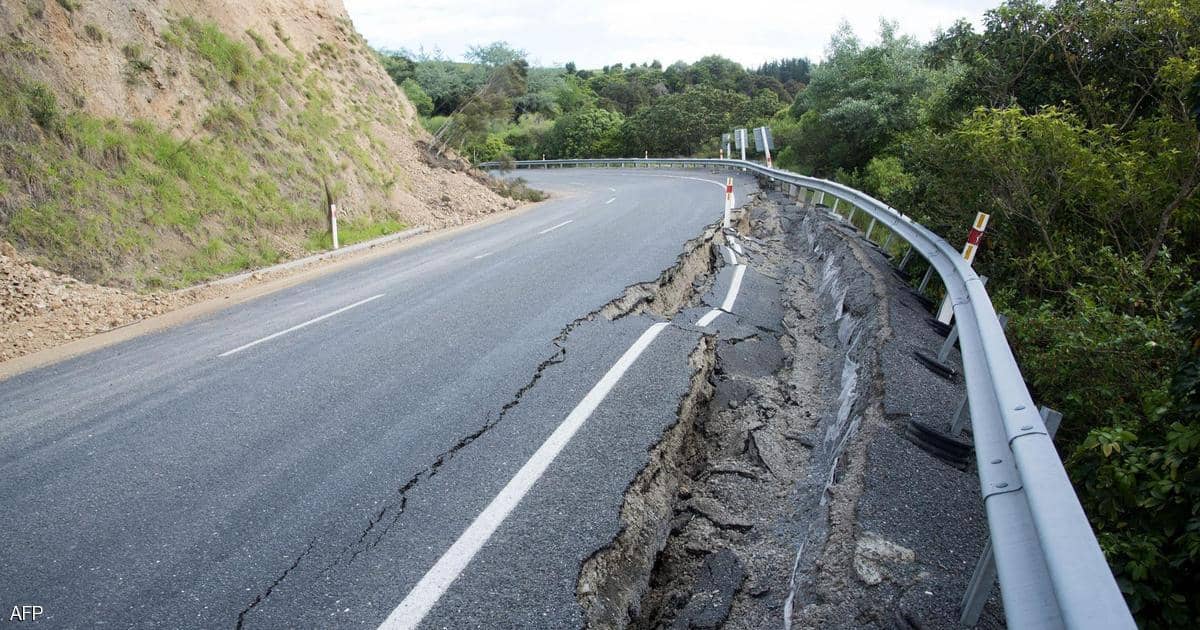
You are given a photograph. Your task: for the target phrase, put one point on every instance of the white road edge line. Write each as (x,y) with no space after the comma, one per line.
(299,326)
(709,317)
(484,255)
(610,201)
(735,285)
(699,179)
(555,227)
(422,598)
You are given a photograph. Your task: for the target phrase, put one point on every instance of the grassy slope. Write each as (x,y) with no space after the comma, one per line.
(129,203)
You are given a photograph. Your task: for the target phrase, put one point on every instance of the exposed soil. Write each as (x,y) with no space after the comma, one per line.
(750,514)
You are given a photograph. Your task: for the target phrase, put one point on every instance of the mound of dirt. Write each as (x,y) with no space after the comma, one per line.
(41,309)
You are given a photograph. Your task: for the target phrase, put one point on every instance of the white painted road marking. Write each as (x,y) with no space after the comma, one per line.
(555,227)
(735,285)
(484,255)
(708,317)
(299,326)
(610,201)
(736,246)
(421,599)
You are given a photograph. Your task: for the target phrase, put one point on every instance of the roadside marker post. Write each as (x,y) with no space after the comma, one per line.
(333,223)
(728,199)
(764,141)
(946,311)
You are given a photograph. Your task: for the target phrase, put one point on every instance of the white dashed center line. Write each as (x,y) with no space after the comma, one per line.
(555,227)
(299,326)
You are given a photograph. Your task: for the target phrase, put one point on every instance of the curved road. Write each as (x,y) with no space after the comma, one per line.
(306,459)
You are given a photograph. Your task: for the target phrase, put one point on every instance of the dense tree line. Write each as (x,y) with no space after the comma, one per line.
(569,112)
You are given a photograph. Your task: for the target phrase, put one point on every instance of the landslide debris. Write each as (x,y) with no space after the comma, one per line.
(41,309)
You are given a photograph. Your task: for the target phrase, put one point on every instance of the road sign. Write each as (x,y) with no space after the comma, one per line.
(764,142)
(739,136)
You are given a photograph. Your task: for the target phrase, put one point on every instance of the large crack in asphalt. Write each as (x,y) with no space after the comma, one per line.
(709,527)
(679,286)
(613,580)
(261,597)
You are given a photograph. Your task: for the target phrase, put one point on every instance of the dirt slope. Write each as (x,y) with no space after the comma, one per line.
(155,143)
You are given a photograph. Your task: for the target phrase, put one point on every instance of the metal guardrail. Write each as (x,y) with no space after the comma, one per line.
(1051,570)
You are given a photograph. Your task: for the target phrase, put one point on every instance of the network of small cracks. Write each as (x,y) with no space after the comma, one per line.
(390,513)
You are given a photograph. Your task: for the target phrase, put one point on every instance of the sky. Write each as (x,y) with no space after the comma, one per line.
(596,34)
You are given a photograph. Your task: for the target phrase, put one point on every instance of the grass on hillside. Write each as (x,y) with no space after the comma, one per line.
(351,232)
(133,204)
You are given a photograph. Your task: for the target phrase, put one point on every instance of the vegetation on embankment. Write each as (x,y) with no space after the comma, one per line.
(1074,124)
(175,147)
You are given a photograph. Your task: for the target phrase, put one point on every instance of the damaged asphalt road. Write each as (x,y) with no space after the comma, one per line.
(312,479)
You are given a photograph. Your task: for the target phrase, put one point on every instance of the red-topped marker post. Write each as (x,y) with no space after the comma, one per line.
(946,312)
(728,199)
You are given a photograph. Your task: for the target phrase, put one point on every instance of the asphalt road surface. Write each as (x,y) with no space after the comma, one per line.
(313,458)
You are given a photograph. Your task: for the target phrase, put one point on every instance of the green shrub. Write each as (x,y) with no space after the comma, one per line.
(417,97)
(42,105)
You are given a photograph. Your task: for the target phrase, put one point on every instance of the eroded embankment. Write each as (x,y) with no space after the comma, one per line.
(745,516)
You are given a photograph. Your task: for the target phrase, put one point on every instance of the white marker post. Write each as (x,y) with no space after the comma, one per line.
(946,311)
(740,139)
(333,223)
(728,199)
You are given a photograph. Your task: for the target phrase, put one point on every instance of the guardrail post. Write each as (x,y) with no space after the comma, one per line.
(870,228)
(925,280)
(905,260)
(983,578)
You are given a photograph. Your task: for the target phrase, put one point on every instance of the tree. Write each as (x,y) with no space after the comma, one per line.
(418,97)
(718,72)
(787,70)
(860,99)
(584,134)
(398,66)
(495,55)
(449,84)
(678,124)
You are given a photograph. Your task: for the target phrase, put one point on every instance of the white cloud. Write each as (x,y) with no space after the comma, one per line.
(595,34)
